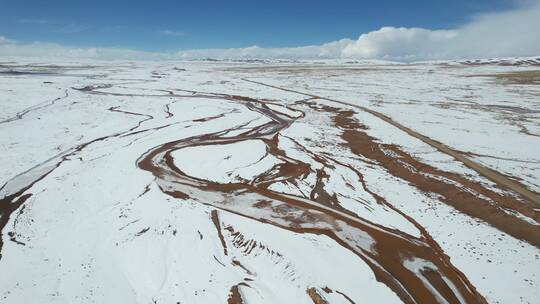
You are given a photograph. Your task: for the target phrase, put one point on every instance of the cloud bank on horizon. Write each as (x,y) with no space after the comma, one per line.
(503,34)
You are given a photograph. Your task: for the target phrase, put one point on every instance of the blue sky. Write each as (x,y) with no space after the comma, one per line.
(177,25)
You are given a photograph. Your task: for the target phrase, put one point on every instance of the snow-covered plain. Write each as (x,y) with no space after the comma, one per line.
(215,182)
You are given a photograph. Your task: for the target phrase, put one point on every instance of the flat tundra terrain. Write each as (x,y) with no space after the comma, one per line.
(270,182)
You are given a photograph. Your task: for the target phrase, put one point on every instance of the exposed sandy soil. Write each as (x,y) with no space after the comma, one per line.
(527,77)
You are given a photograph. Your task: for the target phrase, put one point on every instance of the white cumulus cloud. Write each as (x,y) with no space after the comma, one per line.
(504,34)
(57,51)
(399,43)
(511,33)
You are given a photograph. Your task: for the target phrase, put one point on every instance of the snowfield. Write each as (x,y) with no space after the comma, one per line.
(270,182)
